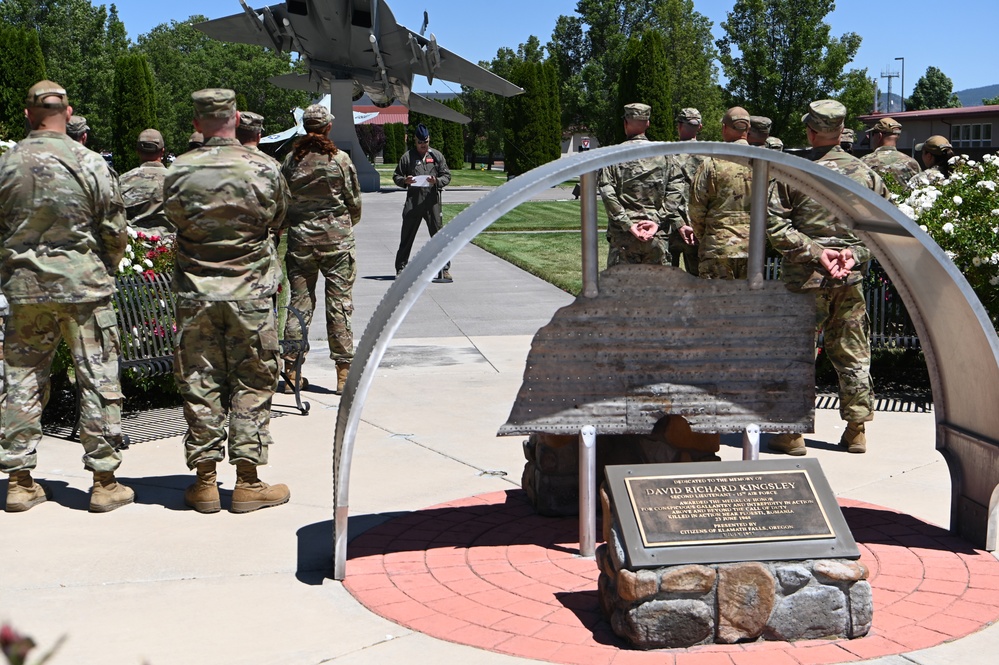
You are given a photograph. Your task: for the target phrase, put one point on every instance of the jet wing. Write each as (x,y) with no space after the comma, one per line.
(244,28)
(426,106)
(455,68)
(299,82)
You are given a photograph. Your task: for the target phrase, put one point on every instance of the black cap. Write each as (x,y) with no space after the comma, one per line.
(422,133)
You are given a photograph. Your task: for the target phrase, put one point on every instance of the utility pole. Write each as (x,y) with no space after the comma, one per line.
(877,94)
(903,83)
(888,74)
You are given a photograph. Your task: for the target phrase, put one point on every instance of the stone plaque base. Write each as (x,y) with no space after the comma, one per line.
(686,605)
(551,474)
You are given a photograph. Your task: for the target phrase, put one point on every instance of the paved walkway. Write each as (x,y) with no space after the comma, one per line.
(156,583)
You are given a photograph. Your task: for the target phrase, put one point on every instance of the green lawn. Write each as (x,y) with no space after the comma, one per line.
(459,178)
(541,237)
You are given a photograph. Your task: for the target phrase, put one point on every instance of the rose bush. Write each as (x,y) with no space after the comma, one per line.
(961,213)
(147,254)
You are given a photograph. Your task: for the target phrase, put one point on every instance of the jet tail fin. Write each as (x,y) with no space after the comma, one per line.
(421,104)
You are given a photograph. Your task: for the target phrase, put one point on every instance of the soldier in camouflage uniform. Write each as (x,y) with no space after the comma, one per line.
(824,257)
(759,130)
(63,228)
(325,206)
(250,129)
(774,143)
(688,124)
(142,187)
(936,153)
(640,198)
(719,207)
(226,201)
(846,139)
(78,130)
(886,160)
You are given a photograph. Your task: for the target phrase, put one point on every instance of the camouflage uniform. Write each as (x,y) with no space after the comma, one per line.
(325,205)
(142,192)
(800,229)
(719,214)
(422,203)
(63,228)
(887,160)
(644,189)
(225,202)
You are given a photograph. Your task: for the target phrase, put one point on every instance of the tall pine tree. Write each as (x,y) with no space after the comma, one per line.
(532,133)
(21,66)
(135,108)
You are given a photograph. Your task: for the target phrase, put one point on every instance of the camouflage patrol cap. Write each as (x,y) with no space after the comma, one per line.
(737,118)
(774,143)
(251,121)
(887,126)
(214,103)
(825,115)
(847,135)
(760,125)
(689,116)
(317,116)
(150,140)
(43,90)
(637,111)
(197,139)
(77,126)
(935,145)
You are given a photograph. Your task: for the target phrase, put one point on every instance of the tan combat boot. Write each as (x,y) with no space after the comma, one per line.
(293,377)
(251,493)
(342,370)
(854,439)
(203,495)
(789,444)
(23,492)
(108,494)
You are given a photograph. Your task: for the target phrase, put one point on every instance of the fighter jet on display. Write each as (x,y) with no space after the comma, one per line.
(356,40)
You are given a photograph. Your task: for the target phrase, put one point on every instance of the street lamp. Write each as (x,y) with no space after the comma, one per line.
(903,83)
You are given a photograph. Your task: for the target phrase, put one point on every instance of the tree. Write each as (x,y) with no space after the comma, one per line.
(80,43)
(779,55)
(692,77)
(395,142)
(643,79)
(454,138)
(372,140)
(532,129)
(991,101)
(21,66)
(933,90)
(184,60)
(858,97)
(135,108)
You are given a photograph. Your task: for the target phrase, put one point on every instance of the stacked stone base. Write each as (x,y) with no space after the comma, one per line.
(687,605)
(551,475)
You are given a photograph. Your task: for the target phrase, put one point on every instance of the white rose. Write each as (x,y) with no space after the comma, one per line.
(994,281)
(958,200)
(124,263)
(948,228)
(976,261)
(148,263)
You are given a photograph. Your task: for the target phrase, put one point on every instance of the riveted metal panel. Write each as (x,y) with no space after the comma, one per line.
(657,341)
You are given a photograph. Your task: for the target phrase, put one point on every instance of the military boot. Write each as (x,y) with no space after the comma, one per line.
(854,439)
(108,494)
(293,378)
(251,493)
(23,492)
(342,370)
(789,444)
(203,495)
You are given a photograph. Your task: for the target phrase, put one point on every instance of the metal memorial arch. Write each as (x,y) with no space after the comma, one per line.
(956,335)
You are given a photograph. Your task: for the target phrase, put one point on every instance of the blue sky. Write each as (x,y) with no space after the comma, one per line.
(956,37)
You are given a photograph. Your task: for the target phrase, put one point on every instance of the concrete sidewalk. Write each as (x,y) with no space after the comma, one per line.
(157,583)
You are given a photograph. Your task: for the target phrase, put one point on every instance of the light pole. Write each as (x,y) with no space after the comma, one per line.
(903,83)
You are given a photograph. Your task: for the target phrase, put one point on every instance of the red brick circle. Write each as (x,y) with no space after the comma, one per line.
(488,573)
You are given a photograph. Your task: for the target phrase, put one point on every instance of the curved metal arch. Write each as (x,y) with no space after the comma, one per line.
(954,329)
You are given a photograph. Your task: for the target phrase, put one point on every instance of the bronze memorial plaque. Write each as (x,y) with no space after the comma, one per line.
(727,511)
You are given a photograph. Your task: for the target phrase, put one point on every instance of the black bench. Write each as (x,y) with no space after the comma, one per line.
(146,310)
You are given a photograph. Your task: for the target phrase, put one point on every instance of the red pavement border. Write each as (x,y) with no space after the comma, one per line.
(487,572)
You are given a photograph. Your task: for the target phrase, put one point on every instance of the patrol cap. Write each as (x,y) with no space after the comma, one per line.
(690,116)
(214,103)
(887,126)
(197,139)
(422,133)
(825,115)
(46,89)
(150,140)
(774,143)
(316,116)
(254,122)
(77,126)
(736,118)
(637,111)
(935,145)
(760,124)
(847,135)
